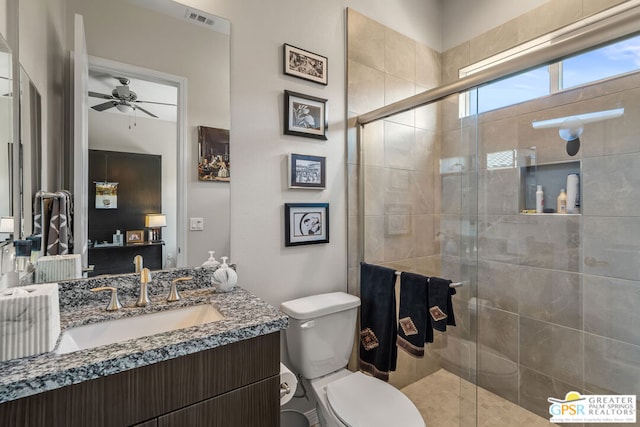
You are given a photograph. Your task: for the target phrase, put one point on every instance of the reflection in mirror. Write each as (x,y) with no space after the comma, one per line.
(157,46)
(31,149)
(6,150)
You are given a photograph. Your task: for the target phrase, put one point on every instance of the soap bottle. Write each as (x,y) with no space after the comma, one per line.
(224,278)
(539,200)
(211,262)
(562,202)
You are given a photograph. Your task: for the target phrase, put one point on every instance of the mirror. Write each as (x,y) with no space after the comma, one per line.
(30,168)
(134,45)
(6,138)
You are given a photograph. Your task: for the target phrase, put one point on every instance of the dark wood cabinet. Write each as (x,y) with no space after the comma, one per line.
(232,385)
(119,259)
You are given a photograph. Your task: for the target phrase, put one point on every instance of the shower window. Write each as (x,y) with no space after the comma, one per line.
(613,60)
(603,63)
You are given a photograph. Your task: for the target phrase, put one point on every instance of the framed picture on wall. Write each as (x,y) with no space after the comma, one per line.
(306,223)
(214,163)
(135,236)
(305,65)
(307,171)
(305,115)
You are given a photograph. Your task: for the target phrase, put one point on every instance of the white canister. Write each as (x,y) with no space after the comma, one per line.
(573,189)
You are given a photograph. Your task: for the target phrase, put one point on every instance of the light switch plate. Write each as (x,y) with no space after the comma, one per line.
(196,224)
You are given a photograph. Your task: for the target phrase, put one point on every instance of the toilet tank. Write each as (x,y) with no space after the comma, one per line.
(321,332)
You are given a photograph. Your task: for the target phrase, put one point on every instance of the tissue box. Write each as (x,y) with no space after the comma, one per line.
(55,268)
(29,320)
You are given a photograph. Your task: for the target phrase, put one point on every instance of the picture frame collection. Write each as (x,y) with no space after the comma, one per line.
(305,116)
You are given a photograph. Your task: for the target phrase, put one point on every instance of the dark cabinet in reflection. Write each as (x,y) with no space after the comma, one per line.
(119,259)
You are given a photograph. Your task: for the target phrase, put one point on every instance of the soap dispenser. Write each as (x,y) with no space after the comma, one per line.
(211,262)
(224,278)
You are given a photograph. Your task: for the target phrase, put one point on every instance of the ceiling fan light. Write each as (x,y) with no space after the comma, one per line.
(124,108)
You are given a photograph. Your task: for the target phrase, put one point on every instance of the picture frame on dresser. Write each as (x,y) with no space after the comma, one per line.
(306,223)
(305,65)
(307,172)
(305,115)
(134,236)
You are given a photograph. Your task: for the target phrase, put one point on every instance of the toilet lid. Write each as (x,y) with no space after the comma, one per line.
(360,400)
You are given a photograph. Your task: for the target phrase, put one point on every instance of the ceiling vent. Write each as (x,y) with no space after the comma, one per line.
(199,18)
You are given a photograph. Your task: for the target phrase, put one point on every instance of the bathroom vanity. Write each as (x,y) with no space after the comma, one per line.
(222,373)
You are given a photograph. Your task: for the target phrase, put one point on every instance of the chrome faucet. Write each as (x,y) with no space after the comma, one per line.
(145,278)
(137,261)
(114,303)
(173,293)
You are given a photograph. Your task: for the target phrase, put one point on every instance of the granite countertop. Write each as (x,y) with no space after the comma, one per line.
(245,316)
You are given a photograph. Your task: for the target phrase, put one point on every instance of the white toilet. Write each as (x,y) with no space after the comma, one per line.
(319,342)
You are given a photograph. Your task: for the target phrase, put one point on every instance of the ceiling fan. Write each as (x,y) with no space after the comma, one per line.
(123,99)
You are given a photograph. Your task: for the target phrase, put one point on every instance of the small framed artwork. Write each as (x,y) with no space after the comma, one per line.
(106,195)
(307,171)
(213,154)
(305,115)
(306,223)
(305,65)
(135,236)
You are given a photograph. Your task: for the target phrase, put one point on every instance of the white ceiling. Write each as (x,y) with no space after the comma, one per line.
(104,83)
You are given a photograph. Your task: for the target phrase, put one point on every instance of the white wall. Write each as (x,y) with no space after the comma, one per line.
(259,148)
(463,20)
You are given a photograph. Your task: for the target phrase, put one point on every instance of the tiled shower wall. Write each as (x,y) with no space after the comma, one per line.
(555,308)
(400,160)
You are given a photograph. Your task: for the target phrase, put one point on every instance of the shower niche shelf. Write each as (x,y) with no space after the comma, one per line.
(552,177)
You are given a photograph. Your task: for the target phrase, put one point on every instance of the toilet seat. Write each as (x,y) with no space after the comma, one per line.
(361,400)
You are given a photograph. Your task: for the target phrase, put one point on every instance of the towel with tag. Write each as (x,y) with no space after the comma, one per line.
(378,326)
(440,306)
(414,328)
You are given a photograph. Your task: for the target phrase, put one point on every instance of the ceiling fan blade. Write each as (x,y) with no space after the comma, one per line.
(145,111)
(100,95)
(157,103)
(104,106)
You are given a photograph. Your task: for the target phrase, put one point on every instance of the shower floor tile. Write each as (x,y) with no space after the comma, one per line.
(446,400)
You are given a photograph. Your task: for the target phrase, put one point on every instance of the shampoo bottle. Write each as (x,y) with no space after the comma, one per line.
(562,202)
(539,200)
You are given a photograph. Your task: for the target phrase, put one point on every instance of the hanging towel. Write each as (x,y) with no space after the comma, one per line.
(414,328)
(378,325)
(440,306)
(58,241)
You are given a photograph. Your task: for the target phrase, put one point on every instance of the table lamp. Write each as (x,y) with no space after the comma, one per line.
(154,222)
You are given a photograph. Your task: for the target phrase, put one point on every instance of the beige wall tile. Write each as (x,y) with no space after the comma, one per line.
(397,89)
(428,65)
(494,41)
(548,17)
(373,143)
(589,7)
(365,88)
(365,40)
(428,116)
(399,55)
(454,59)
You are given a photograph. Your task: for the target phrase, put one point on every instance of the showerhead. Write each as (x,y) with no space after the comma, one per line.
(571,128)
(571,131)
(573,147)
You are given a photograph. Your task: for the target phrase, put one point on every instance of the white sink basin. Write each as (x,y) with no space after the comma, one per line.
(118,330)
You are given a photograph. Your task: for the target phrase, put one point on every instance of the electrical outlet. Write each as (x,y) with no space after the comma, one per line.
(196,224)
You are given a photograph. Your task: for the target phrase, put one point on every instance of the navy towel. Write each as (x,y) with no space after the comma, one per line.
(414,328)
(440,306)
(378,327)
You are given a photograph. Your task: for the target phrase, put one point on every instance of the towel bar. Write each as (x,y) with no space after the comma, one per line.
(452,285)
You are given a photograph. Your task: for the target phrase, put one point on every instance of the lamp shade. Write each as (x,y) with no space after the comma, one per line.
(6,224)
(155,220)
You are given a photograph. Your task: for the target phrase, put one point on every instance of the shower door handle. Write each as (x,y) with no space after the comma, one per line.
(592,262)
